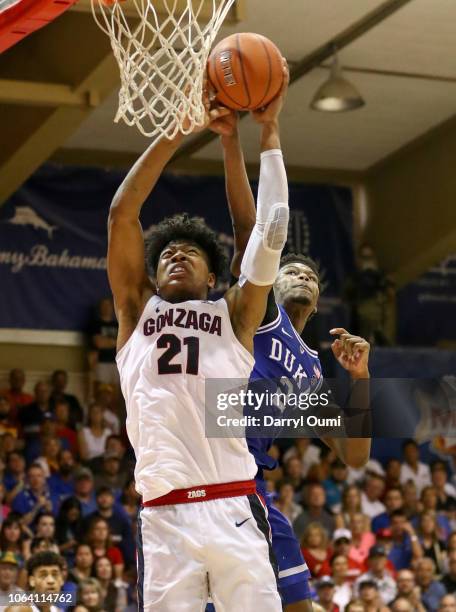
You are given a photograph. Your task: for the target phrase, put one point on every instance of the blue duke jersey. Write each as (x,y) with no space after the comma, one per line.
(290,366)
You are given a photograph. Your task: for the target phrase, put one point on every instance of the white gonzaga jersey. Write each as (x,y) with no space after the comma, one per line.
(163,368)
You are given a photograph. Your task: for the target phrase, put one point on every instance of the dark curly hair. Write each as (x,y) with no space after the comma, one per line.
(44,558)
(193,229)
(303,259)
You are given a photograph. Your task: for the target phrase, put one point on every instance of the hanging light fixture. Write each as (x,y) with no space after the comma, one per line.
(337,95)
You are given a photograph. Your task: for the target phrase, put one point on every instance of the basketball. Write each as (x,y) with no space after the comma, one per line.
(246,71)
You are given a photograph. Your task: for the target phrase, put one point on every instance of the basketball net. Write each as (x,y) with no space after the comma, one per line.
(162,57)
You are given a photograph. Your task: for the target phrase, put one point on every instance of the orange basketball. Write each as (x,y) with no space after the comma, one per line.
(246,71)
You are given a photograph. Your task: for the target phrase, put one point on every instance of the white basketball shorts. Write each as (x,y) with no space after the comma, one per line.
(221,546)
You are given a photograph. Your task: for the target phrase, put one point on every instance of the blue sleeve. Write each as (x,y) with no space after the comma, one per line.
(19,504)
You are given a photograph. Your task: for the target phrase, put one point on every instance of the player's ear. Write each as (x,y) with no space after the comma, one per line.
(211,280)
(32,581)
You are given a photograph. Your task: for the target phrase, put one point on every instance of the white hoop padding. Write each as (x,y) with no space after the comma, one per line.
(162,58)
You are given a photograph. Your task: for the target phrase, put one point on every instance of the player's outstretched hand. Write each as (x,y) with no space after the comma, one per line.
(226,125)
(213,115)
(352,352)
(271,112)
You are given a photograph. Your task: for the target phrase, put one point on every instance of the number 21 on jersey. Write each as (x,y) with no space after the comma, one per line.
(173,348)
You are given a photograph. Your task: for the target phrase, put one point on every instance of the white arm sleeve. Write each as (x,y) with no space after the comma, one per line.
(260,264)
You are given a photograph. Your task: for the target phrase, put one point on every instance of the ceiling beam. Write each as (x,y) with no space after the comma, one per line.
(313,60)
(56,128)
(28,93)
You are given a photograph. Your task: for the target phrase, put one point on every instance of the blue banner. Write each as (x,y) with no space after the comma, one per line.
(53,239)
(426,307)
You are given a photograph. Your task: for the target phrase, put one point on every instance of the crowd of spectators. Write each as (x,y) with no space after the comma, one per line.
(381,538)
(378,538)
(66,487)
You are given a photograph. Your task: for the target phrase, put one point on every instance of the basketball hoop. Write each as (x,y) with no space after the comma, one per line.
(162,57)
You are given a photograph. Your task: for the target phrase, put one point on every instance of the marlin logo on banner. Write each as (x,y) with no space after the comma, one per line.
(24,215)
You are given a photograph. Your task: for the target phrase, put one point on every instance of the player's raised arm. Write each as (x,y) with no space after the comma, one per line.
(260,263)
(241,202)
(126,254)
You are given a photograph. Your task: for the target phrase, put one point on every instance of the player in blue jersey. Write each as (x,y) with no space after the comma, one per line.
(280,352)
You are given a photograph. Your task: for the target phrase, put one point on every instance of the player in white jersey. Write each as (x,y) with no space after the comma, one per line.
(201,523)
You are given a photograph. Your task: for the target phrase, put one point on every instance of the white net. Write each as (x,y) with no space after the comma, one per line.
(162,53)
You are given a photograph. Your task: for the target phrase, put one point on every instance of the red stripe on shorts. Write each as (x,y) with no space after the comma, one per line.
(204,493)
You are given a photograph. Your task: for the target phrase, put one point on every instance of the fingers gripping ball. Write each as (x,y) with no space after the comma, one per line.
(246,71)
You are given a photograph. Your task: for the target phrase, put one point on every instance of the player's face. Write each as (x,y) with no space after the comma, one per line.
(183,273)
(297,283)
(47,579)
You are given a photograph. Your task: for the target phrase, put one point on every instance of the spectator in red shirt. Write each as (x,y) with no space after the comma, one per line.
(384,538)
(63,429)
(15,393)
(99,540)
(4,507)
(315,549)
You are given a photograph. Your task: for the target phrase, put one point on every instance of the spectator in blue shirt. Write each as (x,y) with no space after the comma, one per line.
(35,497)
(14,477)
(61,483)
(335,484)
(432,591)
(393,501)
(406,546)
(84,491)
